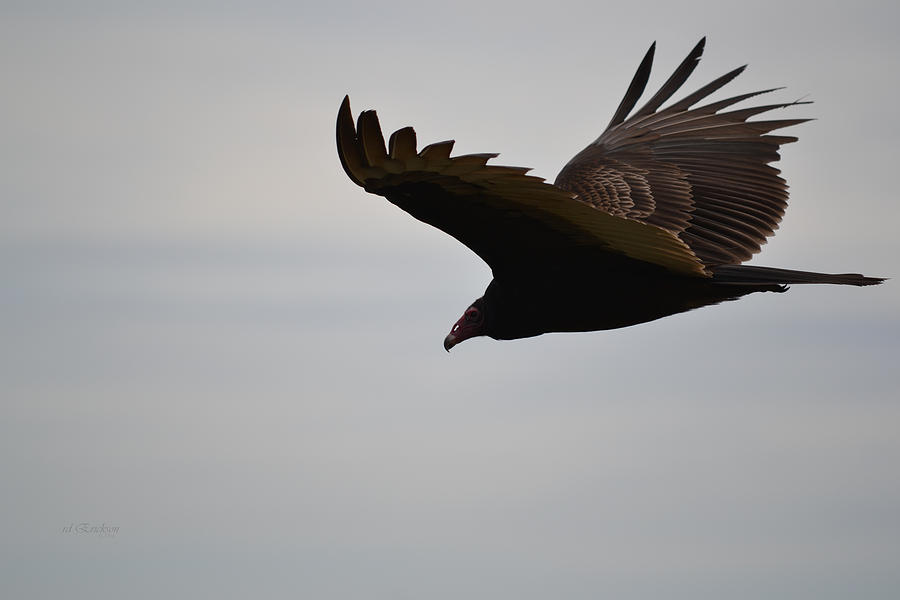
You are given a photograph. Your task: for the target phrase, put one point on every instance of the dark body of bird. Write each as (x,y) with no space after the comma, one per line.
(651,219)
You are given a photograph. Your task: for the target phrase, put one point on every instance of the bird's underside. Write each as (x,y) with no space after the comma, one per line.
(653,218)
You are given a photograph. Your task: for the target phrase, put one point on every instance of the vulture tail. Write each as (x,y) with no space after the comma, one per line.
(745,274)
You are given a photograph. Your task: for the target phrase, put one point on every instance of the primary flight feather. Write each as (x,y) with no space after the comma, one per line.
(653,218)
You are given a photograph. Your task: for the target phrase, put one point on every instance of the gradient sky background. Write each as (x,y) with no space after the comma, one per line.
(212,340)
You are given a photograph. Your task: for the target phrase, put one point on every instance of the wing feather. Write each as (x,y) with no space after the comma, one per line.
(506,216)
(675,81)
(402,144)
(438,152)
(371,138)
(706,172)
(635,88)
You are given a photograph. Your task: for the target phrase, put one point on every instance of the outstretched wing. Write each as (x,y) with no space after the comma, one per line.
(701,173)
(508,218)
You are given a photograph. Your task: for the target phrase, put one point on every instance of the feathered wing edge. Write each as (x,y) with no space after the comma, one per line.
(679,117)
(368,164)
(737,199)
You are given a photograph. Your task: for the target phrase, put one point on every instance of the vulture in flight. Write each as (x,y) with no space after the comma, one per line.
(653,218)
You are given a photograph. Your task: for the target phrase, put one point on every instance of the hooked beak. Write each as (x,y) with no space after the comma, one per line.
(449,342)
(463,330)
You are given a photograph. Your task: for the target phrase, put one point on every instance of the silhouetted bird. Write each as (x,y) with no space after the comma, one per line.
(651,219)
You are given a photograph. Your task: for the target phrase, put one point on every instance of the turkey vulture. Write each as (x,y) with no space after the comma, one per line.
(653,218)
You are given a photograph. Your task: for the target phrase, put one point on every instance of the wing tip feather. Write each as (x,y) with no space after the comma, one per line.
(347,143)
(402,144)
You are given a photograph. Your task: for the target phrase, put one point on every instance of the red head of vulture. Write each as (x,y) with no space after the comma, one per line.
(653,218)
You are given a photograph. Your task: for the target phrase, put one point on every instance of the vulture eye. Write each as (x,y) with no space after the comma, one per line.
(472,314)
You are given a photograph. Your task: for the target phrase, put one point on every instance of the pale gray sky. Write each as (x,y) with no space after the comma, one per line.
(212,340)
